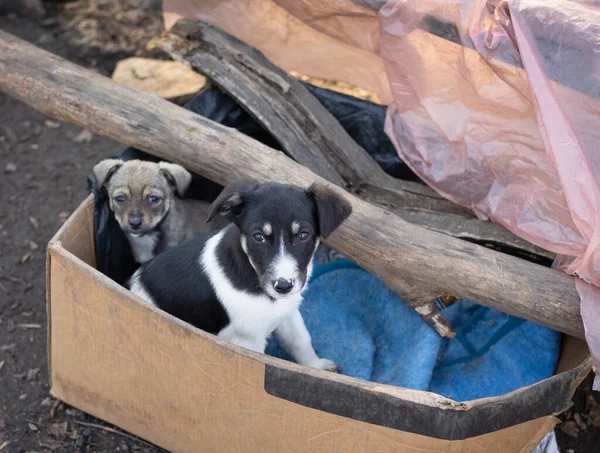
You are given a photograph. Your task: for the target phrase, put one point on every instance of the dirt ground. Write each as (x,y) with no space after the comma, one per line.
(43,169)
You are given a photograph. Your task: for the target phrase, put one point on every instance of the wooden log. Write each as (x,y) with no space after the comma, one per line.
(310,134)
(418,264)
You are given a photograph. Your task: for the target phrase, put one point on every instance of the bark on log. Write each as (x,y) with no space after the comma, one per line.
(417,263)
(310,134)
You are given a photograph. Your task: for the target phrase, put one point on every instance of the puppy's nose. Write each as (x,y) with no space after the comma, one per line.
(283,286)
(135,222)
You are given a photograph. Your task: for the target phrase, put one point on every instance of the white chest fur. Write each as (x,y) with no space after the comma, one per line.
(143,246)
(252,318)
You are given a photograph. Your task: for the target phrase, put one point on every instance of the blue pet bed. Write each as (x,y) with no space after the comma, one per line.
(358,322)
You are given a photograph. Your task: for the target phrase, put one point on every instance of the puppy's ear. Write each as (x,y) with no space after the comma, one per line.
(332,209)
(104,170)
(230,201)
(176,175)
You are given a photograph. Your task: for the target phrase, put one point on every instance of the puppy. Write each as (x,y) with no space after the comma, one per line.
(146,200)
(246,281)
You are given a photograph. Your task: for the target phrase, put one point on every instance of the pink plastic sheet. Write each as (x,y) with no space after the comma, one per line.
(507,120)
(495,104)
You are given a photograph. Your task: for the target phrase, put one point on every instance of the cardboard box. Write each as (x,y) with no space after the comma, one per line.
(121,360)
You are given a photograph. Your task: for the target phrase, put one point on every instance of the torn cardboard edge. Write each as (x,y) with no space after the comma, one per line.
(111,354)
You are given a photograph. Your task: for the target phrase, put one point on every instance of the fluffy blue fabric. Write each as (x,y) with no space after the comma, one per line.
(358,322)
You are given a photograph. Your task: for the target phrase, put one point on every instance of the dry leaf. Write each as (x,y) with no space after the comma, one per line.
(84,136)
(1,365)
(34,223)
(52,124)
(25,258)
(33,427)
(10,168)
(4,445)
(570,428)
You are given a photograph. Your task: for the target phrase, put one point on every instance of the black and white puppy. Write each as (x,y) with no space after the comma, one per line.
(246,281)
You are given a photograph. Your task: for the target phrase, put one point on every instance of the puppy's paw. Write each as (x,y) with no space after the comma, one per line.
(327,365)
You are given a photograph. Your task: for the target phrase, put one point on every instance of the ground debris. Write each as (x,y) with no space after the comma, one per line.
(52,124)
(29,326)
(52,444)
(54,408)
(63,216)
(59,429)
(32,374)
(85,136)
(108,429)
(34,222)
(28,130)
(9,137)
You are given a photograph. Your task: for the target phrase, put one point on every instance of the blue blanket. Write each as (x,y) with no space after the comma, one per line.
(358,322)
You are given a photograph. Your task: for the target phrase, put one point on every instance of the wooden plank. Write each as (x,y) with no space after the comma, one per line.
(416,263)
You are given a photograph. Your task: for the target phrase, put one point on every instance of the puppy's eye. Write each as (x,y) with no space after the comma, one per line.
(258,237)
(153,199)
(303,235)
(120,198)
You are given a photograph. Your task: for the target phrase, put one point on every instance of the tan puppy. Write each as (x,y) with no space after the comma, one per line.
(146,200)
